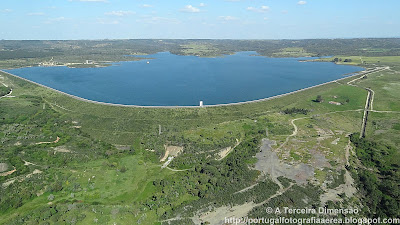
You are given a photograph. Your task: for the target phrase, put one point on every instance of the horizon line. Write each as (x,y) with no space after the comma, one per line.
(253,39)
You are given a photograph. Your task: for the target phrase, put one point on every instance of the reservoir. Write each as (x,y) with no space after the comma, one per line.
(166,79)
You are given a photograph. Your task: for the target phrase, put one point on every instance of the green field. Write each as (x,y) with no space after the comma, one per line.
(293,52)
(365,60)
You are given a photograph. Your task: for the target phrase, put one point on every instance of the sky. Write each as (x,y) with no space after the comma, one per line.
(197,19)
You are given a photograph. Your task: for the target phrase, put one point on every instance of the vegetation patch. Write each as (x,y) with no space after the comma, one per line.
(295,110)
(379,185)
(396,126)
(4,90)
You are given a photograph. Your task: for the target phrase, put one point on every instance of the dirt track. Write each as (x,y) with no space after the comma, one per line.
(49,142)
(370,97)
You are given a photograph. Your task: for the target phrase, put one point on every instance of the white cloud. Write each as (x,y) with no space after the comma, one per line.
(301,3)
(6,10)
(61,18)
(190,9)
(202,4)
(36,14)
(146,6)
(262,9)
(284,12)
(107,22)
(55,20)
(228,18)
(119,13)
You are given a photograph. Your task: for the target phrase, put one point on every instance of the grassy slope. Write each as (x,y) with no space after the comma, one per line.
(121,125)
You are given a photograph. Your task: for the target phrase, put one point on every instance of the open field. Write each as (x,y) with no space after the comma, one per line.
(364,60)
(292,52)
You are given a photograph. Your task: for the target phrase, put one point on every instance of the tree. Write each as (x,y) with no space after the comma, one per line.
(319,98)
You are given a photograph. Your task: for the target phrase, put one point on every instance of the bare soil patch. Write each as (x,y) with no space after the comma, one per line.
(7,173)
(218,215)
(324,134)
(269,163)
(334,142)
(62,149)
(26,163)
(123,147)
(318,159)
(20,178)
(171,150)
(225,151)
(3,167)
(346,188)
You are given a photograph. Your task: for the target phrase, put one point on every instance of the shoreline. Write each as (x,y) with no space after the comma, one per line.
(360,73)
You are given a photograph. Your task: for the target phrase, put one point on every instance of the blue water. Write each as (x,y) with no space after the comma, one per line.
(172,80)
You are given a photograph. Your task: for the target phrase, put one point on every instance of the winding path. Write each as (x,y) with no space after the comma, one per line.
(294,132)
(175,170)
(368,104)
(49,142)
(296,128)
